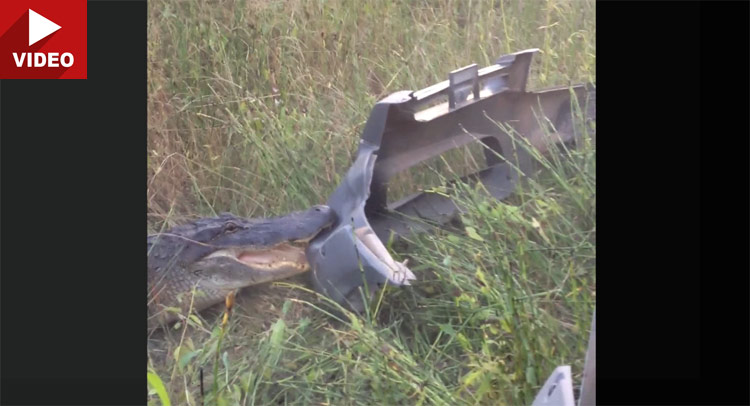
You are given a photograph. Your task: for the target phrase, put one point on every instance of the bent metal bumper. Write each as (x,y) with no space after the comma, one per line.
(407,128)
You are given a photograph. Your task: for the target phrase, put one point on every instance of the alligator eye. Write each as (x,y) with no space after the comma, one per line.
(230,227)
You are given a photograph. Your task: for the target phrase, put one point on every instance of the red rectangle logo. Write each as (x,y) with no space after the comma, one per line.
(43,39)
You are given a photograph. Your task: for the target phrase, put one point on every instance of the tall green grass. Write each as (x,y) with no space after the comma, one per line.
(256,107)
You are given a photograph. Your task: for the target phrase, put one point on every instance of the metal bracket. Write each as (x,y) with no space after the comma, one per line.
(463,82)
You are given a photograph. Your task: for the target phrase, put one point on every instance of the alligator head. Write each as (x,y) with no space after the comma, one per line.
(197,264)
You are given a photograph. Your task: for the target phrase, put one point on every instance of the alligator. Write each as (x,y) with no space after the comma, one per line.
(197,265)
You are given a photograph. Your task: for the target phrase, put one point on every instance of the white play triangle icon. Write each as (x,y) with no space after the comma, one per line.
(39,27)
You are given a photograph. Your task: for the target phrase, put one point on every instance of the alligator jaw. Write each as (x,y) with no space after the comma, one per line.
(238,267)
(264,257)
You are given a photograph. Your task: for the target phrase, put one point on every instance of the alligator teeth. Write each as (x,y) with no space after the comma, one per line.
(271,257)
(228,252)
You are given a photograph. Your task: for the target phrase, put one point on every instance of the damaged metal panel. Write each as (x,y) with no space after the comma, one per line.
(407,128)
(415,131)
